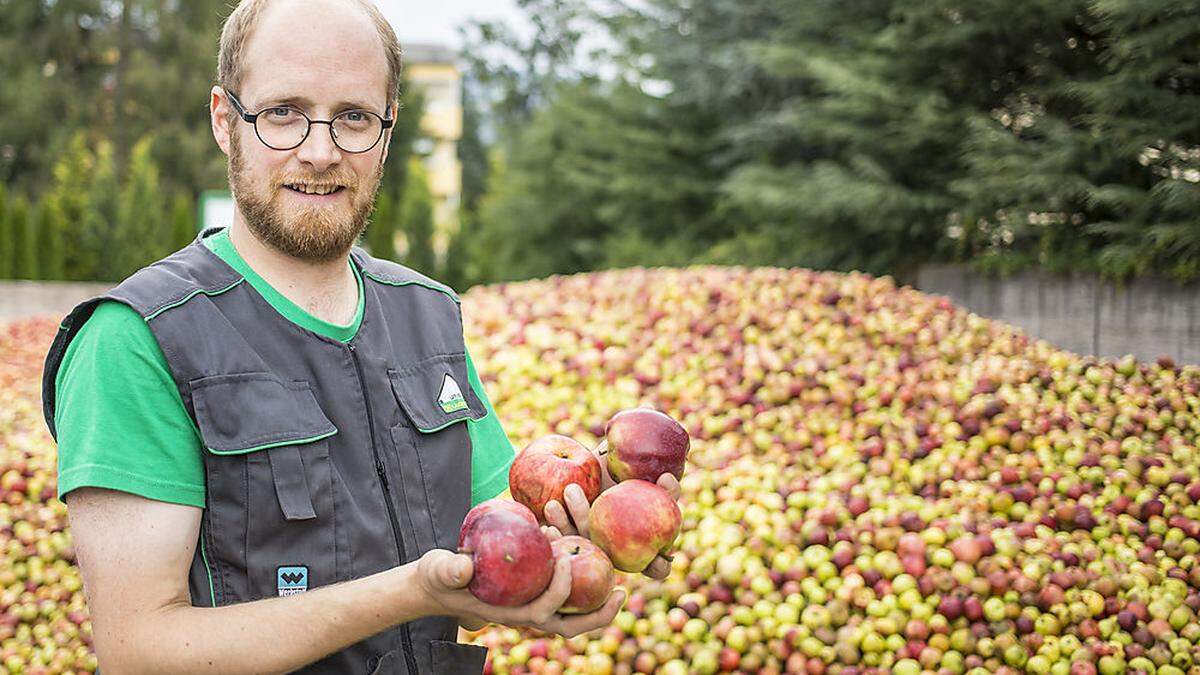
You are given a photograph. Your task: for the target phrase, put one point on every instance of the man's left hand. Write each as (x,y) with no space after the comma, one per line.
(574,518)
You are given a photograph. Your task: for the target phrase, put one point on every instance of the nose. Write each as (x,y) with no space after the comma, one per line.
(319,150)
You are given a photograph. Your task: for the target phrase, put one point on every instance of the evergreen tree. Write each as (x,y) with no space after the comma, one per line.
(140,233)
(7,241)
(52,248)
(183,221)
(405,130)
(117,68)
(381,233)
(25,244)
(418,219)
(453,270)
(1099,168)
(607,175)
(83,191)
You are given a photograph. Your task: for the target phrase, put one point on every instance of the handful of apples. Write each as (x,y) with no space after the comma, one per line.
(630,522)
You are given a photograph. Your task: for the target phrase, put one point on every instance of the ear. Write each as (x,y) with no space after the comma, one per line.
(219,111)
(387,135)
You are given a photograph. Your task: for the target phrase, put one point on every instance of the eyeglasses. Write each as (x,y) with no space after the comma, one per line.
(284,127)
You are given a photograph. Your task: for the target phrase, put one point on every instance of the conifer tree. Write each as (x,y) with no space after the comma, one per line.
(381,233)
(418,219)
(52,248)
(183,221)
(25,242)
(6,237)
(454,267)
(140,230)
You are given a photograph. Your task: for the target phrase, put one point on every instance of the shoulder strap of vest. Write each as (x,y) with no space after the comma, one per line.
(395,274)
(150,291)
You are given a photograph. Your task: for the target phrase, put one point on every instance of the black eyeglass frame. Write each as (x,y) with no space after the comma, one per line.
(252,118)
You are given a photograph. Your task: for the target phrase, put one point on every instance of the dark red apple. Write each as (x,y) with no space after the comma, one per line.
(633,521)
(547,466)
(490,506)
(592,577)
(643,444)
(512,558)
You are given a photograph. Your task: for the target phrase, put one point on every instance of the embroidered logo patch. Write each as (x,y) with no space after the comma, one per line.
(451,398)
(292,579)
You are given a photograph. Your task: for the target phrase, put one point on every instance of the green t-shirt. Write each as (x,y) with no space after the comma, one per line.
(122,424)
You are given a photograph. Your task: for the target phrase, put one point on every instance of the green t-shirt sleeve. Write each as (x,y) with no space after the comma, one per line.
(121,422)
(491,451)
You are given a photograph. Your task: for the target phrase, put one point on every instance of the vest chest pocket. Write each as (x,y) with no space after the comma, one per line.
(270,505)
(433,445)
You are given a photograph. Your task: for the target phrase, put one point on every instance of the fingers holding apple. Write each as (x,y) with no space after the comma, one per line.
(670,483)
(601,453)
(592,576)
(659,568)
(573,519)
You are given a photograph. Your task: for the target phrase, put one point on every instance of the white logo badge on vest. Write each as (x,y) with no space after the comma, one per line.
(451,398)
(292,579)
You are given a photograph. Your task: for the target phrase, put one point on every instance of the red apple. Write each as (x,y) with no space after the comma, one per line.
(633,521)
(512,558)
(547,466)
(644,443)
(592,577)
(490,506)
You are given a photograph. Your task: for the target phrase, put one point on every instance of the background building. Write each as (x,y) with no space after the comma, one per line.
(433,69)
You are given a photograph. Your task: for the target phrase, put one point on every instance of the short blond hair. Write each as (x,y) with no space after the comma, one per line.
(240,25)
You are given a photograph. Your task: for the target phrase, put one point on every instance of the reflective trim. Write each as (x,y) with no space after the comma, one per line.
(297,441)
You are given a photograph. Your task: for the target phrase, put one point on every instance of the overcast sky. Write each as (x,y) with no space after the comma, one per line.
(436,20)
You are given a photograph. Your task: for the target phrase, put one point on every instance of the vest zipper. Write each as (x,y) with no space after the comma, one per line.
(405,634)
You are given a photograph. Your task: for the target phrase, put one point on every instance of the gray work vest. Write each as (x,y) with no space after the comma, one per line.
(325,461)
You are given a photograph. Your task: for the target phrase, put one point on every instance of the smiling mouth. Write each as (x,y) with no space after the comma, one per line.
(314,190)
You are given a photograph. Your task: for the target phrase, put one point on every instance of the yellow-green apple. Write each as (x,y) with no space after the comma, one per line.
(512,559)
(633,521)
(489,506)
(547,466)
(592,577)
(644,443)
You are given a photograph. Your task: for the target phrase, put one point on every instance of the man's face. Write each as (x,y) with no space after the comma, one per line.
(332,58)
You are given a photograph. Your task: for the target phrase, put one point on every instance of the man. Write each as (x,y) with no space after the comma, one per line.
(269,439)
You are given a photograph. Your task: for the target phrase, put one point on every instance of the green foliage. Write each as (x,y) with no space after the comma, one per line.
(84,82)
(140,232)
(381,233)
(118,69)
(92,226)
(417,219)
(6,237)
(601,163)
(875,135)
(24,240)
(453,271)
(51,246)
(183,221)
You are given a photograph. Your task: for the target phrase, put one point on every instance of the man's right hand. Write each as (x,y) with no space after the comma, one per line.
(443,577)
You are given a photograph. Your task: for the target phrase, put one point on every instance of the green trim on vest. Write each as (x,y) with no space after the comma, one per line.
(461,419)
(204,555)
(389,282)
(192,295)
(289,441)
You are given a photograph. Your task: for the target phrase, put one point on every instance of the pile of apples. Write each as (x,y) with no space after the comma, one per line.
(630,523)
(44,626)
(877,482)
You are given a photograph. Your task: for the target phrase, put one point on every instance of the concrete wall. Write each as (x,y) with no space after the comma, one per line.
(23,299)
(1084,314)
